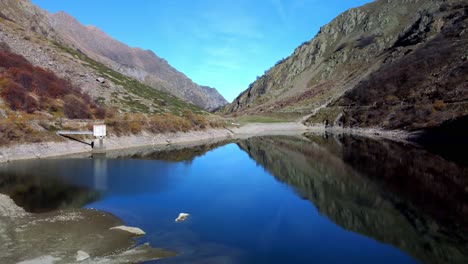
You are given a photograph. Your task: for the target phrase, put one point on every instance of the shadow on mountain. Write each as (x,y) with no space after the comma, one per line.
(448,140)
(394,193)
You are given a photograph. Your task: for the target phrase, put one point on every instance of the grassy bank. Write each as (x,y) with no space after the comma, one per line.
(25,128)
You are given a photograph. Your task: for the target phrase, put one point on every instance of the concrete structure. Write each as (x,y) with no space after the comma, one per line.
(99,133)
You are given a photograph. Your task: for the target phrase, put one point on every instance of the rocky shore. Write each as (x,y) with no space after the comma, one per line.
(56,149)
(80,235)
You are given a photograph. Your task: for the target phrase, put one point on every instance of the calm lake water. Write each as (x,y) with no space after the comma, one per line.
(282,199)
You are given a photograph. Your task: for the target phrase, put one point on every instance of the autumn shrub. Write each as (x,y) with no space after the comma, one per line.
(439,105)
(42,80)
(28,88)
(100,112)
(8,133)
(135,127)
(216,123)
(178,123)
(111,113)
(22,77)
(75,108)
(55,90)
(30,104)
(156,124)
(14,95)
(14,131)
(18,98)
(11,60)
(188,114)
(200,122)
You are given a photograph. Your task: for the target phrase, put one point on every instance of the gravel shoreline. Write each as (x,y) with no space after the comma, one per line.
(68,236)
(56,149)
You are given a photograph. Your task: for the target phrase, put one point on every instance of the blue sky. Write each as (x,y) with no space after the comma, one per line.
(220,43)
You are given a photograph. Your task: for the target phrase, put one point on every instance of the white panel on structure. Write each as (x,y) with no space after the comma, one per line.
(99,130)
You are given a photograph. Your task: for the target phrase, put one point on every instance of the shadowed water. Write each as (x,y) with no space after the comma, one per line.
(282,199)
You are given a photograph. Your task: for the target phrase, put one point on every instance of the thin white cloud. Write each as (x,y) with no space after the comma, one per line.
(279,7)
(226,32)
(225,64)
(238,25)
(227,38)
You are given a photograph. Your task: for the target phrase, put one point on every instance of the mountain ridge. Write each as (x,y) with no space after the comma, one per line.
(321,72)
(142,65)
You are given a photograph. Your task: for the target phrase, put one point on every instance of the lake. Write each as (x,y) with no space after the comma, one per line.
(278,199)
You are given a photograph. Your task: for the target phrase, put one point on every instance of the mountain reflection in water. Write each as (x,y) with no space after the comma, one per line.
(394,193)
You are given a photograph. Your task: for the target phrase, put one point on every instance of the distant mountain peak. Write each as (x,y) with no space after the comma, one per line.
(143,65)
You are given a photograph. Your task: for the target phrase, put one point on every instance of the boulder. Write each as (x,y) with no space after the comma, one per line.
(134,230)
(182,217)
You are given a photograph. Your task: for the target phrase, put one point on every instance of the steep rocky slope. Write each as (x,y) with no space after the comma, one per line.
(142,65)
(87,41)
(103,84)
(395,64)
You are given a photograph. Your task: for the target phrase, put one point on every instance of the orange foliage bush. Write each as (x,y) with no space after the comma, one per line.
(22,77)
(23,80)
(18,99)
(11,60)
(162,123)
(75,108)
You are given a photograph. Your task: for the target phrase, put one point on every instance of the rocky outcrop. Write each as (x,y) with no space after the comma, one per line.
(350,59)
(29,23)
(24,13)
(216,96)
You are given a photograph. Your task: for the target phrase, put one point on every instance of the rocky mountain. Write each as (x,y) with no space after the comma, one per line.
(398,64)
(144,66)
(216,96)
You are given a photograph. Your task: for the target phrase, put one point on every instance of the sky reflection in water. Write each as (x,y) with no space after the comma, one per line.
(264,200)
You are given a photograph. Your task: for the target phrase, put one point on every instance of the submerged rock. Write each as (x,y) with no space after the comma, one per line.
(133,230)
(81,255)
(182,217)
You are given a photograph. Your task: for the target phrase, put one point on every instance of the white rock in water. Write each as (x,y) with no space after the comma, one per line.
(134,230)
(182,217)
(81,255)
